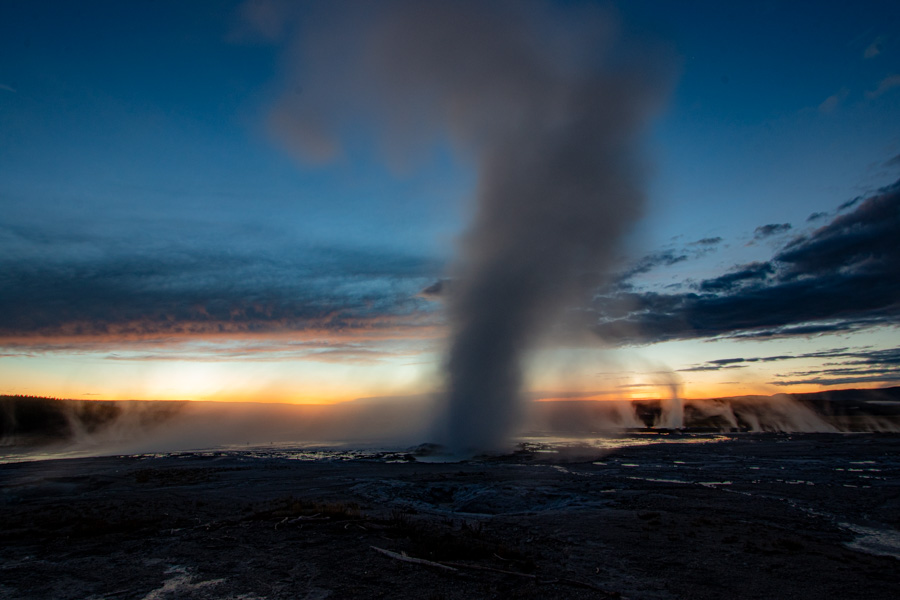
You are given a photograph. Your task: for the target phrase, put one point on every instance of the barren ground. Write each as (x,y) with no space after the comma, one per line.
(753,516)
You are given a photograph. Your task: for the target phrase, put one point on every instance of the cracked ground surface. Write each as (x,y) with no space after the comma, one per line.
(750,516)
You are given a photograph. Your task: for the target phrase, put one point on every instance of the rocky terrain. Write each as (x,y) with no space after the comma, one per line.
(738,516)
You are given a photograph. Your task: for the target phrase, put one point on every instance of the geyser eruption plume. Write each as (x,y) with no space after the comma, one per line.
(558,188)
(550,108)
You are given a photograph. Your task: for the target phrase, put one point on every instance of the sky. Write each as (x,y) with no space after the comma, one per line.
(176,224)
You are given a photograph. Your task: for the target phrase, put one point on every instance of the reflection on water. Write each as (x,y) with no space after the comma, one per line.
(13,454)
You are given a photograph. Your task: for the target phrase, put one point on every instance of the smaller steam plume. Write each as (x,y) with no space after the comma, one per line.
(672,413)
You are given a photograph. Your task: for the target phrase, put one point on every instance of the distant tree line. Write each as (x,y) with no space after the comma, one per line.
(36,419)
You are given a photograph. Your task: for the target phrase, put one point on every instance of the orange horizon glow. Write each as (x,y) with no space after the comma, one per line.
(325,367)
(271,396)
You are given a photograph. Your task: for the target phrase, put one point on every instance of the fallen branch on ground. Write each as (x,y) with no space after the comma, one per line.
(410,559)
(455,566)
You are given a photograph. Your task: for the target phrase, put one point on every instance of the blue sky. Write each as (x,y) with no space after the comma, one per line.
(156,227)
(771,120)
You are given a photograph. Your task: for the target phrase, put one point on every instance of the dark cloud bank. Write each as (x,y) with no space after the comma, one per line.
(841,277)
(140,295)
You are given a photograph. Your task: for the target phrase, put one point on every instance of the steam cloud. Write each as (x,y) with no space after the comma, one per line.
(551,110)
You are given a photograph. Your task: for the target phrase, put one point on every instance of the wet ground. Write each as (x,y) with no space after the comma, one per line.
(747,516)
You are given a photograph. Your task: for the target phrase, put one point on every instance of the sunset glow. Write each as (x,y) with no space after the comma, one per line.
(239,202)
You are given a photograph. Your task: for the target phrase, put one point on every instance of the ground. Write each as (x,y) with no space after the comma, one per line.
(748,516)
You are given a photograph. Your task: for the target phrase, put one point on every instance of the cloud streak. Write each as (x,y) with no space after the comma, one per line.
(833,102)
(884,86)
(847,366)
(765,231)
(875,48)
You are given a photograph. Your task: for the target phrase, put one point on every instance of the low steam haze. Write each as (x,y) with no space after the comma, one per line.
(33,428)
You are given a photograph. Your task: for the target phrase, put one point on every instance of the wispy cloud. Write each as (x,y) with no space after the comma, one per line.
(652,261)
(749,273)
(885,85)
(860,361)
(669,257)
(709,241)
(847,367)
(875,48)
(849,203)
(831,381)
(700,368)
(765,231)
(833,102)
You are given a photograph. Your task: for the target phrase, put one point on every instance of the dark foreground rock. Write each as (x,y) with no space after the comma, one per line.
(753,516)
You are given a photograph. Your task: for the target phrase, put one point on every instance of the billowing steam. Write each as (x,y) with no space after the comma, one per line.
(550,112)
